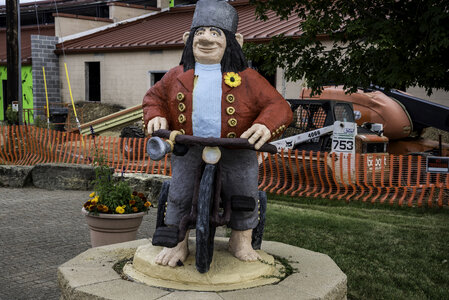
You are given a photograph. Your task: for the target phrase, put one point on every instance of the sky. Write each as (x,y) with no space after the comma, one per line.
(2,2)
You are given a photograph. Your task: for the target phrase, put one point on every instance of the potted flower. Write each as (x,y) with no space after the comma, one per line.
(113,212)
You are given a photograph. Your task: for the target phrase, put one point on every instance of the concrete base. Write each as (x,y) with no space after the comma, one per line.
(90,276)
(226,272)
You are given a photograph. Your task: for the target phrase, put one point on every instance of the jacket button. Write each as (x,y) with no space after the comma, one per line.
(230,98)
(231,135)
(180,96)
(232,122)
(181,118)
(230,110)
(181,107)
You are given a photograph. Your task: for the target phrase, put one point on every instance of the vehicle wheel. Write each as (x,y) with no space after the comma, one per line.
(128,133)
(256,240)
(204,233)
(161,204)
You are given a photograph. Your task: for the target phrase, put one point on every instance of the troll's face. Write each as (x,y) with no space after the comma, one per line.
(209,44)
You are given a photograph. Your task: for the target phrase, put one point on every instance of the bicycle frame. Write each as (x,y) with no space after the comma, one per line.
(205,212)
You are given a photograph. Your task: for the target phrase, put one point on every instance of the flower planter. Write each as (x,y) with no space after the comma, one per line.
(106,229)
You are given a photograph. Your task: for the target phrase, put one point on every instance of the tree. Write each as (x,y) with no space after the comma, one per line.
(389,43)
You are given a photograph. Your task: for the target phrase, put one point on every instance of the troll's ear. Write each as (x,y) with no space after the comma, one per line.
(239,39)
(185,36)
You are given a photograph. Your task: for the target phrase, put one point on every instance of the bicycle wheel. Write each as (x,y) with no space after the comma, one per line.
(204,232)
(256,239)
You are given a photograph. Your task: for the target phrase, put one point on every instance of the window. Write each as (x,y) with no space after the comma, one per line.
(344,113)
(93,87)
(155,76)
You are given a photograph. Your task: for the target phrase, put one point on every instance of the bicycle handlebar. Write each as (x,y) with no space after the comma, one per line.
(163,148)
(236,143)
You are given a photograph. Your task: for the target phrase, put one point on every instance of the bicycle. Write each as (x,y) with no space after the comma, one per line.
(207,211)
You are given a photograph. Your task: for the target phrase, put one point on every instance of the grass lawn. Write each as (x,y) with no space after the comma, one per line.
(386,252)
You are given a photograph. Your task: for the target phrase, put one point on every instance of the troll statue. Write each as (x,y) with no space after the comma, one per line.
(213,93)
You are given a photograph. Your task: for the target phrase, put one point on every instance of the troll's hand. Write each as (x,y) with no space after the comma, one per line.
(258,134)
(157,123)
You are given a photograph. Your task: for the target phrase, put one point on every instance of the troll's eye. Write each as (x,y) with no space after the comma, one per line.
(215,31)
(199,31)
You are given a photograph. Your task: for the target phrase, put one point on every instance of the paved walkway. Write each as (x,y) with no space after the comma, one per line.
(40,230)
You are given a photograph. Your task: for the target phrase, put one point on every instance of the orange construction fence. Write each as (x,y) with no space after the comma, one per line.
(30,145)
(375,178)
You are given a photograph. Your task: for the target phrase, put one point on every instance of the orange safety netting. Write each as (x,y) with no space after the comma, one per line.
(29,145)
(375,178)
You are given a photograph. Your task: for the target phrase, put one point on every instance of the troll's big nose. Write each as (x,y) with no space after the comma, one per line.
(204,40)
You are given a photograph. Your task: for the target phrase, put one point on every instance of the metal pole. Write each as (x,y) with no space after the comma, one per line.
(14,76)
(12,51)
(19,43)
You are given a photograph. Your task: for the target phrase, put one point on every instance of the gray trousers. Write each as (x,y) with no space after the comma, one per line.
(239,177)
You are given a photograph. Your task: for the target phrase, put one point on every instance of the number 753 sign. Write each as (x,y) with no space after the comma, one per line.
(343,137)
(343,145)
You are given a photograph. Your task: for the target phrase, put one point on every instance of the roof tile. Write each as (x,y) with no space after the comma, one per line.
(165,30)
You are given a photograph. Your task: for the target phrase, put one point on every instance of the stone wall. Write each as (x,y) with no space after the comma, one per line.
(53,176)
(42,54)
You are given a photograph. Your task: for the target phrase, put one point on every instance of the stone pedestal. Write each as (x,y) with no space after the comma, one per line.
(226,272)
(90,276)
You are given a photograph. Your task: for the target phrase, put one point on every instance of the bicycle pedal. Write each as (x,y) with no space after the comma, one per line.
(242,203)
(166,237)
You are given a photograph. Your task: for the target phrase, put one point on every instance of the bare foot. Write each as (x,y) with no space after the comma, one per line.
(171,256)
(240,245)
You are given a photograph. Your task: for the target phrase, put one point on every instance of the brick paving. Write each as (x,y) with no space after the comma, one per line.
(40,230)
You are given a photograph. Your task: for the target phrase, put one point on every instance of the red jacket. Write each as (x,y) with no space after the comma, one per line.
(253,101)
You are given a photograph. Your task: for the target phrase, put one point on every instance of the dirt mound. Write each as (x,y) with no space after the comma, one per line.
(89,111)
(433,134)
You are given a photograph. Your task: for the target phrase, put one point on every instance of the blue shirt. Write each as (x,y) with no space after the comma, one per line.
(206,115)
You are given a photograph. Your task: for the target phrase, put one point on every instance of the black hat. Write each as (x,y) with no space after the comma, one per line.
(217,13)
